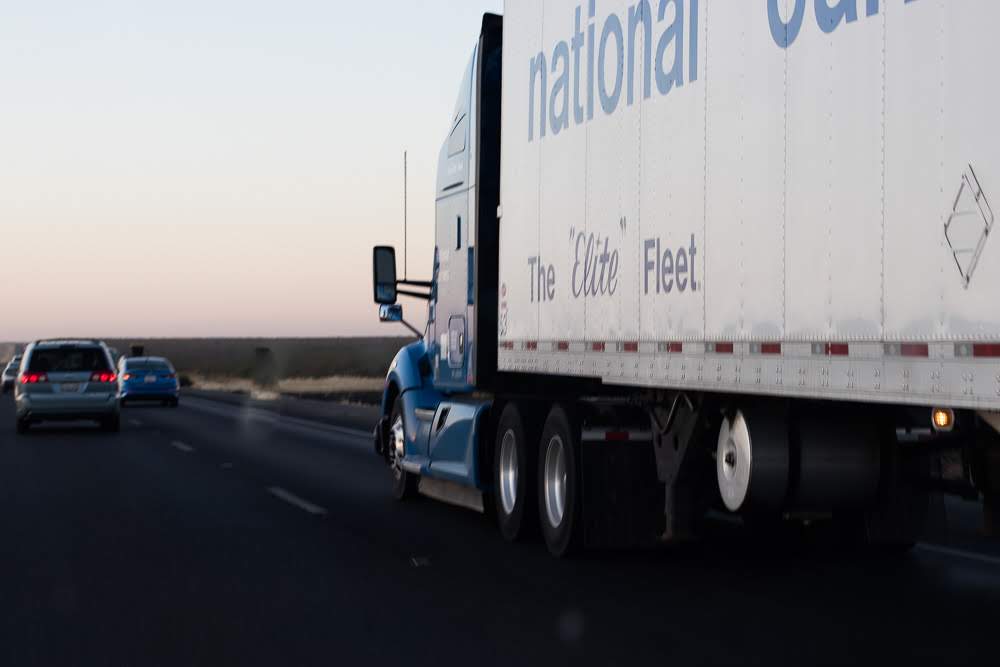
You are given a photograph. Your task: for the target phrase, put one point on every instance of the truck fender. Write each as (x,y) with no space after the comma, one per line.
(408,381)
(405,374)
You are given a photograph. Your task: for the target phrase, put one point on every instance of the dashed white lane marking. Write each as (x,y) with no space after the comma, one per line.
(959,553)
(293,499)
(134,422)
(187,449)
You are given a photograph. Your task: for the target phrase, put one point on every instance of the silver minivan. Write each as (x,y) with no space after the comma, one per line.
(67,380)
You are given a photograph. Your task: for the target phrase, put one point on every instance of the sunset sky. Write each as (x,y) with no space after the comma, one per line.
(217,168)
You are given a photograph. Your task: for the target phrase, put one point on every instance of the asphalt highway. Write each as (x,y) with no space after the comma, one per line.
(216,534)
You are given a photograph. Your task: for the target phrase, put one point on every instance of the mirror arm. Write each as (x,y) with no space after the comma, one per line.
(415,283)
(418,334)
(415,295)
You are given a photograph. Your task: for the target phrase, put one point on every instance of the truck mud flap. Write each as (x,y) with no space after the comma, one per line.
(622,498)
(381,435)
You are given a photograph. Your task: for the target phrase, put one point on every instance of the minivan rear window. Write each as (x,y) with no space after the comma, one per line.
(68,360)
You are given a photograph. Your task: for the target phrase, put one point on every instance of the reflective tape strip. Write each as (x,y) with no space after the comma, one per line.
(914,350)
(990,350)
(831,349)
(616,435)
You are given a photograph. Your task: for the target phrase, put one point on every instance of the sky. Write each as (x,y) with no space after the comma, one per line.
(218,167)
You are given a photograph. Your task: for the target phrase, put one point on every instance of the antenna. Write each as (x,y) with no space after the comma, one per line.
(406,263)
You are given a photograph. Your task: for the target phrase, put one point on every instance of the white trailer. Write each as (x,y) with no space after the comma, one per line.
(728,214)
(752,238)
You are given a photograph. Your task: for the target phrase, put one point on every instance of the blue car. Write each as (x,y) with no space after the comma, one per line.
(148,379)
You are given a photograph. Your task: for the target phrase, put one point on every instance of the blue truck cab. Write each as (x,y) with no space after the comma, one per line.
(437,391)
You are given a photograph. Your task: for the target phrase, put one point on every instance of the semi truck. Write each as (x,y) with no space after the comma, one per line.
(695,256)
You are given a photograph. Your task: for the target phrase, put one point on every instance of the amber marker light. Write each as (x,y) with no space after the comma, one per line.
(943,419)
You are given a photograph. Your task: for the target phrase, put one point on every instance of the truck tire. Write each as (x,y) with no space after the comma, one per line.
(560,492)
(515,492)
(404,484)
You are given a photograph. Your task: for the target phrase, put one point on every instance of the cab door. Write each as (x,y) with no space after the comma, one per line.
(455,247)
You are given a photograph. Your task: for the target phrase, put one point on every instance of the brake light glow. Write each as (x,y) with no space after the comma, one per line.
(127,377)
(34,378)
(103,378)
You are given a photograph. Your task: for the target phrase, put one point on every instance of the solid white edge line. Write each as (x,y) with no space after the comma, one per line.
(187,449)
(959,553)
(293,499)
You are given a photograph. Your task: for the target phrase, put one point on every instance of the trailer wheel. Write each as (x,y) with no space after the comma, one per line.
(897,520)
(559,487)
(404,484)
(513,471)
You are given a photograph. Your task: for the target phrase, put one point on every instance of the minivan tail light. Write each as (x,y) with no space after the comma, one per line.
(34,378)
(103,377)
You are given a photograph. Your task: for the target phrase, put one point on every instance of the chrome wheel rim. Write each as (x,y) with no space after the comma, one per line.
(555,481)
(396,447)
(733,460)
(508,471)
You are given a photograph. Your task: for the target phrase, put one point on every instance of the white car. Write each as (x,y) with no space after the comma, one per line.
(10,373)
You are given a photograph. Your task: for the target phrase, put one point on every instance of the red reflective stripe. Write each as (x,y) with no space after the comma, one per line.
(562,346)
(770,348)
(675,348)
(531,345)
(631,347)
(597,347)
(616,436)
(838,349)
(915,350)
(724,348)
(986,350)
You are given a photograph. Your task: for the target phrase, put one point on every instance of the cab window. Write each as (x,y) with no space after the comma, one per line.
(456,142)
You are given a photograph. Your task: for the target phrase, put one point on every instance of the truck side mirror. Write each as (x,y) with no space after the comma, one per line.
(390,312)
(384,270)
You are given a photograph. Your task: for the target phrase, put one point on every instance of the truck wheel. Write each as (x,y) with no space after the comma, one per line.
(404,484)
(513,476)
(559,488)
